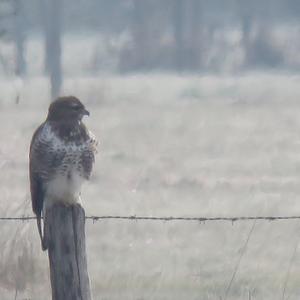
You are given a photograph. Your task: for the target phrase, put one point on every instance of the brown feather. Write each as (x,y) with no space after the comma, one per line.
(59,145)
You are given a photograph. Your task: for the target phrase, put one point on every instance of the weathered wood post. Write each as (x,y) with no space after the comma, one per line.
(65,238)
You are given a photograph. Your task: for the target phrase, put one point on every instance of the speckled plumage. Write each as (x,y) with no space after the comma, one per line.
(61,157)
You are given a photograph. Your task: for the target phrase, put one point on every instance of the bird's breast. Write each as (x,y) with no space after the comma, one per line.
(65,187)
(66,164)
(71,164)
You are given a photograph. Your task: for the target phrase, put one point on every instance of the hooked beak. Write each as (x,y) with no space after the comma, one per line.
(85,112)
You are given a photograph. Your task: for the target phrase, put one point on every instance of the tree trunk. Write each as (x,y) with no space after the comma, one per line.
(19,35)
(52,20)
(196,37)
(178,21)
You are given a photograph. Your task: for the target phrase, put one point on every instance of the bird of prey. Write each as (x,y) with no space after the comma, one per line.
(62,154)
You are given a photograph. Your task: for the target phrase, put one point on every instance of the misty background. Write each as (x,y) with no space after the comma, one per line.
(196,108)
(124,36)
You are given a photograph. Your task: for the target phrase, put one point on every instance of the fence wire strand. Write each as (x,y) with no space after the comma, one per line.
(168,218)
(201,220)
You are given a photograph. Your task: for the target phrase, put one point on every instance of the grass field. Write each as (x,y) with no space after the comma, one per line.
(169,146)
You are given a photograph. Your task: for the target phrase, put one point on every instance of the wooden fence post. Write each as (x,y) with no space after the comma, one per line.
(65,237)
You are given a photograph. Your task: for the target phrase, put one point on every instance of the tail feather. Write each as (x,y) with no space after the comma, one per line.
(39,225)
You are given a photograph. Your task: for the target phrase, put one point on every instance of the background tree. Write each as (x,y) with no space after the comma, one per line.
(19,37)
(52,11)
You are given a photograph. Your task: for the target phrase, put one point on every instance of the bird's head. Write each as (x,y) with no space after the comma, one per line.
(66,109)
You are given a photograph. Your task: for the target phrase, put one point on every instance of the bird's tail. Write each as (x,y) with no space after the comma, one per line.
(39,225)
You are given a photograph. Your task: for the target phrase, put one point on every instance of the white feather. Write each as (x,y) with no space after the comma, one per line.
(66,186)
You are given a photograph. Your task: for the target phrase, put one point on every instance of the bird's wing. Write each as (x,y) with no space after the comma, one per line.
(43,160)
(42,163)
(36,181)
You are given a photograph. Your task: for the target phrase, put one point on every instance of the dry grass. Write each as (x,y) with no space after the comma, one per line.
(168,146)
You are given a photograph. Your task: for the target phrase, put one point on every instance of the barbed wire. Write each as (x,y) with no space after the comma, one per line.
(200,220)
(168,218)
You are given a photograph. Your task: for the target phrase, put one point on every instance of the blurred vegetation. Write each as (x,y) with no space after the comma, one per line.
(172,35)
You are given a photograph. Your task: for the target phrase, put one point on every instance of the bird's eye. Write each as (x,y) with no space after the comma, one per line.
(76,107)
